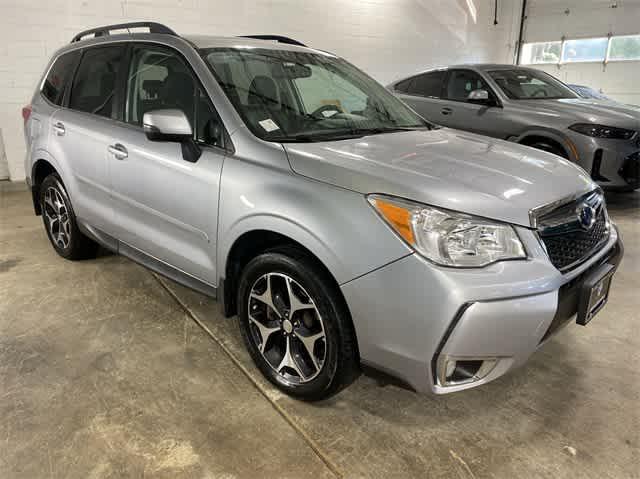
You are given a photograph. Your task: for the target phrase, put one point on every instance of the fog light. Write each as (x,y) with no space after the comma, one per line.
(454,371)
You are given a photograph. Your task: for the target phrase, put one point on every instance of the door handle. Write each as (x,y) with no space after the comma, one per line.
(446,111)
(59,129)
(119,151)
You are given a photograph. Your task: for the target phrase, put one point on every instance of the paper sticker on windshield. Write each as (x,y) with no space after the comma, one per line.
(269,125)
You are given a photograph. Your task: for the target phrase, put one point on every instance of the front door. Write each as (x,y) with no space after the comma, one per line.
(165,206)
(485,119)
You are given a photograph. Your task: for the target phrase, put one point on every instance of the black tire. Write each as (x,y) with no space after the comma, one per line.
(341,366)
(549,148)
(77,245)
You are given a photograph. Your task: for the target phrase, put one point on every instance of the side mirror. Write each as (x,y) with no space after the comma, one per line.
(479,96)
(172,125)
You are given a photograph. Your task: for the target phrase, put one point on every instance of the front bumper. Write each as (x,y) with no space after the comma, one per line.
(410,314)
(614,164)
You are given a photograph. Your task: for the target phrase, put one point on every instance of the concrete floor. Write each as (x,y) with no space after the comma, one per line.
(107,371)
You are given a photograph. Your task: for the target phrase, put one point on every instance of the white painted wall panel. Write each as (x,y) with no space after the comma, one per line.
(387,38)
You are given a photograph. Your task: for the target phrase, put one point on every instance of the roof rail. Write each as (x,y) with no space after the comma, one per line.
(277,38)
(106,30)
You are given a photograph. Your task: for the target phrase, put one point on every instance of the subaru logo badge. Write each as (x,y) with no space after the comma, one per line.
(586,216)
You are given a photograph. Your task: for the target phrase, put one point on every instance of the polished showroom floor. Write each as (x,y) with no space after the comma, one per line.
(107,371)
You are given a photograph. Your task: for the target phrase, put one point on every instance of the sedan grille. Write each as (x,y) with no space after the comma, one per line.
(575,231)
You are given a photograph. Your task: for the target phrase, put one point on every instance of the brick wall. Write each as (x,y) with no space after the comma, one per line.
(387,38)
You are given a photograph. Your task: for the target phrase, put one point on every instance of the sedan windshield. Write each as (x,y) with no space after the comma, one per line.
(521,84)
(292,96)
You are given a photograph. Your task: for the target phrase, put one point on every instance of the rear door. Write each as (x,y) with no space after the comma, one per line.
(423,93)
(165,206)
(81,133)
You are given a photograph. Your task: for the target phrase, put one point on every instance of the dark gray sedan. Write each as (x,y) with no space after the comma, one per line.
(531,107)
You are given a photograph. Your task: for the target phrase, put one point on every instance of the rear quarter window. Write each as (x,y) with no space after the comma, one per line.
(58,77)
(404,85)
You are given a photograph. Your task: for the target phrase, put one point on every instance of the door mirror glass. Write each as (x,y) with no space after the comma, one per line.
(480,96)
(167,125)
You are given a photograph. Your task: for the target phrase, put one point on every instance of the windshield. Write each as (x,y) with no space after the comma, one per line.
(521,84)
(290,96)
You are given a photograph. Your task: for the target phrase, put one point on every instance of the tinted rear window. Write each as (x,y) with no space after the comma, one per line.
(403,86)
(58,76)
(428,84)
(94,84)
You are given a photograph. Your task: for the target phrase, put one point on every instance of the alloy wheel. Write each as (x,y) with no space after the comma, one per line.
(287,328)
(57,216)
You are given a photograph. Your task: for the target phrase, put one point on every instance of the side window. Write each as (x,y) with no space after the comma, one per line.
(93,87)
(428,84)
(159,78)
(58,77)
(463,82)
(404,86)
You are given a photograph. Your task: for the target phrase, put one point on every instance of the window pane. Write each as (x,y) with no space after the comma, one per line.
(625,48)
(546,52)
(300,96)
(530,84)
(158,78)
(429,84)
(61,71)
(325,88)
(463,82)
(403,86)
(585,50)
(93,86)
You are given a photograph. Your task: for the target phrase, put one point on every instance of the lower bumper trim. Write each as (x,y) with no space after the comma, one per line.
(569,294)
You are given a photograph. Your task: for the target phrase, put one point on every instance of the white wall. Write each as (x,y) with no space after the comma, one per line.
(549,20)
(387,38)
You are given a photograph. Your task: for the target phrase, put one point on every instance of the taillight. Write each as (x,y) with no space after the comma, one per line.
(26,113)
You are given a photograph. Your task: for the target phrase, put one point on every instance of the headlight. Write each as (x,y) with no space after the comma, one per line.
(601,131)
(448,238)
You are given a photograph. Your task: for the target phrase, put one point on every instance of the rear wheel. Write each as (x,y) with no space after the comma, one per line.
(60,221)
(295,325)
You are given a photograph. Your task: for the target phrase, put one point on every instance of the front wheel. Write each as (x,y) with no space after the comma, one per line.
(296,326)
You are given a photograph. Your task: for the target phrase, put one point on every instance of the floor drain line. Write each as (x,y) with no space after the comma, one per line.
(286,416)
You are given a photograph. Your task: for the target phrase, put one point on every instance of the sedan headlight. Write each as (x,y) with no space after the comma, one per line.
(447,238)
(601,131)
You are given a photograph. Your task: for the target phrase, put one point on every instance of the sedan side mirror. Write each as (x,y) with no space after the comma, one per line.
(172,125)
(480,96)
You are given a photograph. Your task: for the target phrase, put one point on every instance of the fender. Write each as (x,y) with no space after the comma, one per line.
(285,227)
(552,134)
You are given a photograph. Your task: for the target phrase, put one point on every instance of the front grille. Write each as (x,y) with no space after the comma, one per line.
(567,240)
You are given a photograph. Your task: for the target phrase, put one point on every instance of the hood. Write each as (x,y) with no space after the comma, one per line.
(446,168)
(602,112)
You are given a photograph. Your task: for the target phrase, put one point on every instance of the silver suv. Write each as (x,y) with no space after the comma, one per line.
(341,227)
(533,108)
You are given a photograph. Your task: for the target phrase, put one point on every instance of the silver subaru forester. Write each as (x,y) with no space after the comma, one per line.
(342,228)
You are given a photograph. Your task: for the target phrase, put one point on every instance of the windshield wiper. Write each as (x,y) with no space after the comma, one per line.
(379,130)
(311,138)
(338,134)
